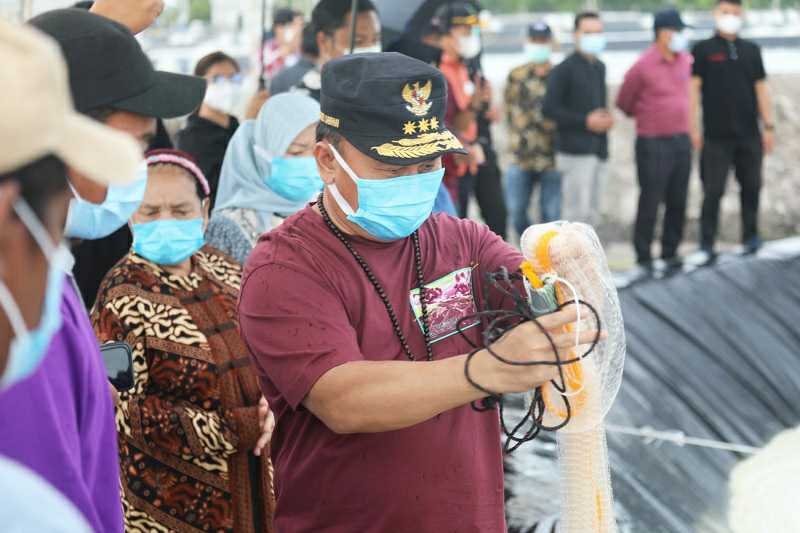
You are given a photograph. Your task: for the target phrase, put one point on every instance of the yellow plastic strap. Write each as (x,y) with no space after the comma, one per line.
(543,252)
(527,269)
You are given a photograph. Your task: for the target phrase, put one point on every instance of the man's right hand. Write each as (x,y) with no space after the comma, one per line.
(527,343)
(599,121)
(136,15)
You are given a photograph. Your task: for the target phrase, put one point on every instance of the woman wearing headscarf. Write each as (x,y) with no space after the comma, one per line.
(269,172)
(193,427)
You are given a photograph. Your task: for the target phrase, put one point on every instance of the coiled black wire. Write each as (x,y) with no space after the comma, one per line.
(498,322)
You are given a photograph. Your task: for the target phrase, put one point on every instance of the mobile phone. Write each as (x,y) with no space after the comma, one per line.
(118,359)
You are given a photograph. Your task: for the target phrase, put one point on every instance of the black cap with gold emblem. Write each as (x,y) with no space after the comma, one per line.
(389,106)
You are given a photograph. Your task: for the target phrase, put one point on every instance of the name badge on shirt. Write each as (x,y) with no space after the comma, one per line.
(449,299)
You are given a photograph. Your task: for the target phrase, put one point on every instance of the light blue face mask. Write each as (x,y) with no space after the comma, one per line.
(393,208)
(168,242)
(95,221)
(538,53)
(294,178)
(593,44)
(29,347)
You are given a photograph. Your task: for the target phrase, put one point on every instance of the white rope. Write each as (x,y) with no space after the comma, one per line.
(650,435)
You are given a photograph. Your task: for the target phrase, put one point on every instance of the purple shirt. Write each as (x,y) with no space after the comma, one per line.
(60,421)
(656,92)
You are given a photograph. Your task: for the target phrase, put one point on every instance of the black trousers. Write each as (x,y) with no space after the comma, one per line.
(746,157)
(664,165)
(487,186)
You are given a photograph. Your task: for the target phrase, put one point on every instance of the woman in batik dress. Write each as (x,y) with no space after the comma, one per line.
(194,429)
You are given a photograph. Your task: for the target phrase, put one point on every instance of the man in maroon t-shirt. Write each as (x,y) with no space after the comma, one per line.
(375,433)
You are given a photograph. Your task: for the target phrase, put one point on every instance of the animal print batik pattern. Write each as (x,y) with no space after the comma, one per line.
(188,424)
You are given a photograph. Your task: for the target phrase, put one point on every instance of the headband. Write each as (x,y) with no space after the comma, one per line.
(184,163)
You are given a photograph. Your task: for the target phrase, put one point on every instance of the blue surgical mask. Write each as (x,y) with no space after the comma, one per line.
(679,42)
(90,221)
(538,53)
(294,178)
(592,43)
(29,347)
(374,49)
(393,208)
(168,242)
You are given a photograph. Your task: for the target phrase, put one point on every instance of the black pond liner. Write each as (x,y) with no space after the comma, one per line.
(714,353)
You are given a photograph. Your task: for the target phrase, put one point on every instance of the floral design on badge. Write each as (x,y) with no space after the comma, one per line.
(417,97)
(449,299)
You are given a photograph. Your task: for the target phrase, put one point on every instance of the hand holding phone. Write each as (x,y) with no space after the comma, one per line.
(118,359)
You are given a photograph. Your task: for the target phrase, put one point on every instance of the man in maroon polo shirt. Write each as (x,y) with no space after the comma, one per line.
(364,370)
(656,94)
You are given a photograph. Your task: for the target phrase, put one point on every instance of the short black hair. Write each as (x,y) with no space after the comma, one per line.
(309,45)
(329,15)
(734,2)
(214,58)
(327,133)
(39,181)
(585,15)
(284,16)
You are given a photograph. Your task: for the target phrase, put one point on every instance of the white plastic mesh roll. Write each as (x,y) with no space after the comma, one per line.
(573,253)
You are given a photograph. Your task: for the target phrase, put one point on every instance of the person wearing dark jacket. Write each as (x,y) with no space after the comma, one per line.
(293,76)
(576,101)
(730,82)
(209,130)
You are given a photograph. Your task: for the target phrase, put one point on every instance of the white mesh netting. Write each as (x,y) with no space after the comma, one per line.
(572,253)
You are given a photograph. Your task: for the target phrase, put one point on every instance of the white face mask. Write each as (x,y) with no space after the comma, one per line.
(730,24)
(470,46)
(223,95)
(679,42)
(374,49)
(289,35)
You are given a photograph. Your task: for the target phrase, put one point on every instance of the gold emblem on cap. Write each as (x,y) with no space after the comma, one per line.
(424,145)
(409,128)
(417,97)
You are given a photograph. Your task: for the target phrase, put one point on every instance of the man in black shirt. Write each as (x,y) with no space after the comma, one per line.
(576,101)
(729,79)
(209,130)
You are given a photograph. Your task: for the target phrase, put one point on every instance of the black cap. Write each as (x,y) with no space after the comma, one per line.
(389,106)
(539,30)
(453,14)
(107,68)
(669,18)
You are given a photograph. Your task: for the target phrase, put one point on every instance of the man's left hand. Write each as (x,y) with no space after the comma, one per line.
(266,422)
(136,15)
(768,141)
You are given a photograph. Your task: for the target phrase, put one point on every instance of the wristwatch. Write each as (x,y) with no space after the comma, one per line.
(768,126)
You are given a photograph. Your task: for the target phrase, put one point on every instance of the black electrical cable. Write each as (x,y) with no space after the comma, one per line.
(496,324)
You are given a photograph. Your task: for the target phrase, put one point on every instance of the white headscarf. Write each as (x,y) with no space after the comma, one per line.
(242,182)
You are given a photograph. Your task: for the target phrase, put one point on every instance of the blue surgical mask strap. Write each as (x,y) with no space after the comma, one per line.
(12,311)
(344,205)
(9,306)
(35,228)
